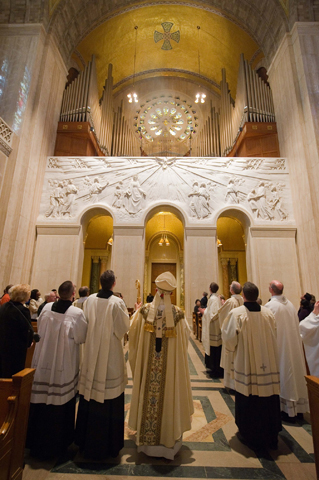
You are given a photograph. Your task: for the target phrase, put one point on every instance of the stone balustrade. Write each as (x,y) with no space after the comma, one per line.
(6,135)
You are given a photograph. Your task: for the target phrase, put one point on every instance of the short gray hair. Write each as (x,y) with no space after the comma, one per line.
(236,287)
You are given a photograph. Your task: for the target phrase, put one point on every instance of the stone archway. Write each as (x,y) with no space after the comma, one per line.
(96,249)
(234,247)
(231,243)
(164,249)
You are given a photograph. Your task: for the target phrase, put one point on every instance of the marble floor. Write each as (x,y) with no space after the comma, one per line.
(210,450)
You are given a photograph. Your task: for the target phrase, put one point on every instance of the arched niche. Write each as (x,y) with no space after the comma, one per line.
(164,249)
(97,231)
(153,210)
(232,240)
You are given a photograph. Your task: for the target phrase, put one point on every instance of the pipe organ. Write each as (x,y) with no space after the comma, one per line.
(207,142)
(217,135)
(81,103)
(253,104)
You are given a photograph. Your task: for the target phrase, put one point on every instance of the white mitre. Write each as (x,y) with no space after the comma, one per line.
(166,283)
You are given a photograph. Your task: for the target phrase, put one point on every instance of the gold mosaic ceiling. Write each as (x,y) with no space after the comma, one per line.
(219,42)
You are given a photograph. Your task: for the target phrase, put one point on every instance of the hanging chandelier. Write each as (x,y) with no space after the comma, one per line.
(164,239)
(132,96)
(110,240)
(200,96)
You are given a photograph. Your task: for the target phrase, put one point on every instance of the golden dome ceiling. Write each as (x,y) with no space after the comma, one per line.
(219,43)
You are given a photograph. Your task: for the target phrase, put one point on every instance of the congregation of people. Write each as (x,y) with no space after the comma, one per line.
(260,352)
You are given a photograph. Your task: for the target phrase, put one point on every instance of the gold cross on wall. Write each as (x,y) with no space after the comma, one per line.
(167,36)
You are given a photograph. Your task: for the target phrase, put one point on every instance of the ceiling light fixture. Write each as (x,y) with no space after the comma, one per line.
(200,96)
(132,96)
(164,238)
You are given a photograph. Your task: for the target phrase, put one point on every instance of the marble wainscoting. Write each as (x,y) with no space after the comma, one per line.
(210,450)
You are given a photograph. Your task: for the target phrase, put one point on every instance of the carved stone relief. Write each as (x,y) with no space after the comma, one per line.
(265,202)
(199,203)
(200,187)
(62,199)
(134,196)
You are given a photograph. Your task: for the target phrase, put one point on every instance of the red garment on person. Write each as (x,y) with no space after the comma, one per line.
(5,299)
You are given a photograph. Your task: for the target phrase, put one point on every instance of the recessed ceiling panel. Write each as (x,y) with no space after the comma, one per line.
(168,38)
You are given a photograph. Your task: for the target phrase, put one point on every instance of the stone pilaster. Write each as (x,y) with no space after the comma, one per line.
(294,81)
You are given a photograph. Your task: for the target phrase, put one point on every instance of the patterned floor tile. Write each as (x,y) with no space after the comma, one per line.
(210,450)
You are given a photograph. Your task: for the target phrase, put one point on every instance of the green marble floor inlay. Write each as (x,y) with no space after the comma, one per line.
(192,369)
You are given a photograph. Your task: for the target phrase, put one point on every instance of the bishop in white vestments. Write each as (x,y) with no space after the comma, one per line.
(236,300)
(100,419)
(309,331)
(293,388)
(249,332)
(62,329)
(211,333)
(161,404)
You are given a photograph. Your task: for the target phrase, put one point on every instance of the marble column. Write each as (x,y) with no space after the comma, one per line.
(225,262)
(274,257)
(95,275)
(145,278)
(201,264)
(182,280)
(294,80)
(56,256)
(128,258)
(233,270)
(103,264)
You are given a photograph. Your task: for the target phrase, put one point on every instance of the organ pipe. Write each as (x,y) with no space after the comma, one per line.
(253,104)
(81,103)
(218,135)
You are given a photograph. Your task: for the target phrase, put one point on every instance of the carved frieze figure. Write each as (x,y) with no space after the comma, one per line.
(275,204)
(70,191)
(134,196)
(95,188)
(194,205)
(118,196)
(252,200)
(165,162)
(231,194)
(204,198)
(199,204)
(258,202)
(54,199)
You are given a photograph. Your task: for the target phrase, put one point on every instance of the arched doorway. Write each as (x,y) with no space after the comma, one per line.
(97,244)
(232,233)
(164,251)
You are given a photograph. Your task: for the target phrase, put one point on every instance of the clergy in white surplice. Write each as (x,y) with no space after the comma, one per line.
(161,403)
(249,333)
(236,300)
(293,389)
(211,333)
(309,331)
(62,328)
(100,419)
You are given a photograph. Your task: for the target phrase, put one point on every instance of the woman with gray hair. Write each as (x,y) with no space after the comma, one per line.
(16,332)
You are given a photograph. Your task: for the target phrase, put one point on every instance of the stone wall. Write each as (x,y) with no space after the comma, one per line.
(294,79)
(23,178)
